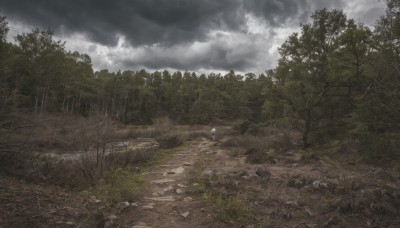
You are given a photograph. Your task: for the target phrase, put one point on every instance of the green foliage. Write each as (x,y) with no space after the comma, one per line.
(379,147)
(170,141)
(3,29)
(119,185)
(255,148)
(256,155)
(318,76)
(231,209)
(242,127)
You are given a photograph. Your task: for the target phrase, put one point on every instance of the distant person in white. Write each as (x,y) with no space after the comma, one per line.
(213,133)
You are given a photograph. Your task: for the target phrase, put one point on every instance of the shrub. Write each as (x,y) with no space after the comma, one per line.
(376,146)
(245,141)
(130,157)
(231,209)
(170,141)
(119,185)
(282,143)
(242,126)
(257,155)
(255,147)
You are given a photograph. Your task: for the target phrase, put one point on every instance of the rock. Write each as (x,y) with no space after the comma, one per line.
(162,199)
(112,217)
(294,203)
(178,170)
(93,199)
(141,225)
(319,185)
(263,173)
(195,184)
(178,191)
(169,188)
(181,186)
(186,214)
(149,206)
(162,181)
(187,199)
(126,203)
(316,184)
(187,164)
(240,173)
(134,205)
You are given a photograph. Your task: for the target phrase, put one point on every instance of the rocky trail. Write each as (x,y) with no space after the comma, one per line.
(289,191)
(204,183)
(166,203)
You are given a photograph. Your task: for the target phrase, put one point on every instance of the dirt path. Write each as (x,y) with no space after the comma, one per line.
(165,203)
(296,191)
(291,189)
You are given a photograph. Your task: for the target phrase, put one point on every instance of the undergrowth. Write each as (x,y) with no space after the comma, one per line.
(226,208)
(119,185)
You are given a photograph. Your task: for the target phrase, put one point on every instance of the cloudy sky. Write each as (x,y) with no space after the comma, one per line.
(195,35)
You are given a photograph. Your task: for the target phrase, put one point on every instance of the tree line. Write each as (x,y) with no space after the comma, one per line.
(38,74)
(334,77)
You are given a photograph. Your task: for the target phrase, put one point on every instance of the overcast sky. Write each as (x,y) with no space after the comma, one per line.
(195,35)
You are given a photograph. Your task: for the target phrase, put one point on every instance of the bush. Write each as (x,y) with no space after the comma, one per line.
(231,209)
(282,143)
(255,147)
(130,157)
(254,129)
(160,126)
(376,146)
(242,127)
(257,155)
(170,141)
(119,185)
(244,141)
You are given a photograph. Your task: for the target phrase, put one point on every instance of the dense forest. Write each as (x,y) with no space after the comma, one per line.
(334,79)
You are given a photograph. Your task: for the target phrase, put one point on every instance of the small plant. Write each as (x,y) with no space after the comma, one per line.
(130,157)
(330,161)
(231,209)
(282,143)
(170,141)
(379,146)
(257,155)
(242,127)
(119,185)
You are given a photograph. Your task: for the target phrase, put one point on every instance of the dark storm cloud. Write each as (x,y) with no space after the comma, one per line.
(146,21)
(215,55)
(151,21)
(179,34)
